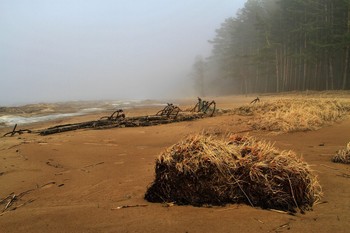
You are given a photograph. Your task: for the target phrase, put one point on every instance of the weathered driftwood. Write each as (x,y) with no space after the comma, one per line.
(121,122)
(169,110)
(117,119)
(150,121)
(14,131)
(129,206)
(71,127)
(115,115)
(205,107)
(106,120)
(256,100)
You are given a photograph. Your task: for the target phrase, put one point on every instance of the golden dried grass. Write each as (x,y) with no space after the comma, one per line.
(204,170)
(343,155)
(296,114)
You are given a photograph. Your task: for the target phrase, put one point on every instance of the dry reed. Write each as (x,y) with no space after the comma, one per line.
(343,155)
(202,170)
(298,114)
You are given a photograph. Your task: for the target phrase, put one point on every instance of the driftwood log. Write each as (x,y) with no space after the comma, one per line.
(205,107)
(169,114)
(256,100)
(169,110)
(14,131)
(121,122)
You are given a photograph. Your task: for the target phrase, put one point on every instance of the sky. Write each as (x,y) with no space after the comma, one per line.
(67,50)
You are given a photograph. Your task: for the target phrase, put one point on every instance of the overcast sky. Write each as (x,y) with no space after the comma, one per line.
(58,50)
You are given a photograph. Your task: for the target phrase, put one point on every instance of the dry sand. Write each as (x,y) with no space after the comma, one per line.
(80,178)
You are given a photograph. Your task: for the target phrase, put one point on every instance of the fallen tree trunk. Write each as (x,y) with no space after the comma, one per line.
(169,114)
(139,121)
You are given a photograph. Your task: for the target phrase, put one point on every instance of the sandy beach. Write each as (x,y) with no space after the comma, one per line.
(78,181)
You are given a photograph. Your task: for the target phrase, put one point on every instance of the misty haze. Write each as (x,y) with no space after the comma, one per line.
(92,50)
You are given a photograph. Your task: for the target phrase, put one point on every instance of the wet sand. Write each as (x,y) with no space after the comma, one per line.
(78,179)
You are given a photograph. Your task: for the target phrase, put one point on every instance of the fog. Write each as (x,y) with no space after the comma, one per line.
(90,50)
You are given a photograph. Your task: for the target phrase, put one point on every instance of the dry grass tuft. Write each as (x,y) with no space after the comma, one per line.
(342,156)
(203,170)
(298,114)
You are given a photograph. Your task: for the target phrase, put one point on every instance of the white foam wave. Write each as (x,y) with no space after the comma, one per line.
(9,120)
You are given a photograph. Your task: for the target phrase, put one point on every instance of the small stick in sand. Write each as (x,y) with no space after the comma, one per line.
(91,165)
(128,206)
(279,211)
(256,100)
(51,182)
(344,175)
(24,193)
(14,130)
(13,198)
(259,220)
(27,202)
(9,196)
(16,207)
(330,167)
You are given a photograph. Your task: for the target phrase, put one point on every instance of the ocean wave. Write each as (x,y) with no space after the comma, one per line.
(9,120)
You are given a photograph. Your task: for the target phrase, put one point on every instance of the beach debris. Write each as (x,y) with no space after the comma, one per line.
(85,168)
(345,175)
(169,110)
(48,184)
(205,107)
(259,220)
(10,200)
(82,125)
(116,115)
(203,170)
(54,164)
(16,207)
(278,211)
(281,227)
(129,206)
(343,155)
(14,131)
(168,204)
(9,203)
(256,100)
(169,114)
(95,164)
(333,168)
(117,121)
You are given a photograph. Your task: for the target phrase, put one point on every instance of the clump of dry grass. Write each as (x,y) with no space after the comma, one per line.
(204,170)
(343,155)
(298,114)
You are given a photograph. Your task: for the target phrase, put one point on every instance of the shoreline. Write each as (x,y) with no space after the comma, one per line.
(64,113)
(78,180)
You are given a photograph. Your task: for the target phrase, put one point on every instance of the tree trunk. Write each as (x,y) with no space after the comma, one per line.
(345,72)
(277,72)
(331,76)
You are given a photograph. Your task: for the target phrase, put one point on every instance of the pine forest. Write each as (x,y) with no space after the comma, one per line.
(278,46)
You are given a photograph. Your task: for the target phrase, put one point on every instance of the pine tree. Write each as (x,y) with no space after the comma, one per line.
(284,45)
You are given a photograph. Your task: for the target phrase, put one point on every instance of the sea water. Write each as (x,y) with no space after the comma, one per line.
(11,120)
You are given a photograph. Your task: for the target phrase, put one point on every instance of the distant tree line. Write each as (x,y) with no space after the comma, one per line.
(282,45)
